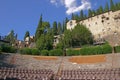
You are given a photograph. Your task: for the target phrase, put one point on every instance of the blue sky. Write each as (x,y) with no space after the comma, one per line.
(23,15)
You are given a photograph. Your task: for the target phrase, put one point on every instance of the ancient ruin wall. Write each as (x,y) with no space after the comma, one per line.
(100,25)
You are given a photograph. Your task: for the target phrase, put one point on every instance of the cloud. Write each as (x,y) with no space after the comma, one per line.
(72,6)
(53,2)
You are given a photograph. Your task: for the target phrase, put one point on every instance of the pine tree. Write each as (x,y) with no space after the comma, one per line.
(39,30)
(27,34)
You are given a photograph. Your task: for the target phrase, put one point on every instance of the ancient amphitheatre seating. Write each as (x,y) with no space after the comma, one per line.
(90,74)
(25,74)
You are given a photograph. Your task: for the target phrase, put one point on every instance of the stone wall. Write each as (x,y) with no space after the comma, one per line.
(101,25)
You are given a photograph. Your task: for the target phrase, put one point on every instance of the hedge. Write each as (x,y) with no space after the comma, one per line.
(56,52)
(8,49)
(29,51)
(35,52)
(93,50)
(71,52)
(117,49)
(45,53)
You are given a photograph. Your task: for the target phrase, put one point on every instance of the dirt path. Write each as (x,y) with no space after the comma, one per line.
(88,59)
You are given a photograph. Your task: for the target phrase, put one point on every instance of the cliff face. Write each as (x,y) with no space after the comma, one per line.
(106,26)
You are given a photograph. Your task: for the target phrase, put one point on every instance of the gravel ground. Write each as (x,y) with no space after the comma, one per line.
(20,61)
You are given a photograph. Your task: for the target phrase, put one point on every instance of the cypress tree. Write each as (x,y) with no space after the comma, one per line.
(81,15)
(55,28)
(106,8)
(38,30)
(111,5)
(101,10)
(59,28)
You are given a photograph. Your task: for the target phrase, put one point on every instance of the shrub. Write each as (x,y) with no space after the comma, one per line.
(25,51)
(35,52)
(71,52)
(29,51)
(93,50)
(117,49)
(56,52)
(45,53)
(8,49)
(106,49)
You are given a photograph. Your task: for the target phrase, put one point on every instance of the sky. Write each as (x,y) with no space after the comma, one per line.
(24,15)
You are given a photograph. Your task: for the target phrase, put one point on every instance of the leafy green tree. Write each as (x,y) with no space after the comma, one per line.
(40,42)
(45,27)
(45,41)
(39,29)
(81,36)
(27,34)
(67,42)
(49,40)
(11,37)
(55,28)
